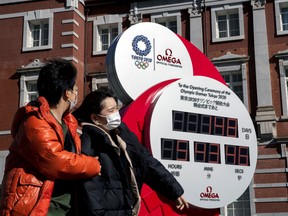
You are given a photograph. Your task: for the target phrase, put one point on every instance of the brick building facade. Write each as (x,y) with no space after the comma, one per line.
(245,39)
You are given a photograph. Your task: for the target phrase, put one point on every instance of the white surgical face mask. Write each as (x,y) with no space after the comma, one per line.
(73,103)
(113,121)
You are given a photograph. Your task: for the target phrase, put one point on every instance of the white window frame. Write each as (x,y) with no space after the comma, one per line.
(35,16)
(234,63)
(283,65)
(24,94)
(233,84)
(167,16)
(236,69)
(72,3)
(279,26)
(3,155)
(99,82)
(214,24)
(286,81)
(109,28)
(100,21)
(224,210)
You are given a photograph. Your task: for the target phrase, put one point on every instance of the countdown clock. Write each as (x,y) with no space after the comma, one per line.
(179,107)
(202,133)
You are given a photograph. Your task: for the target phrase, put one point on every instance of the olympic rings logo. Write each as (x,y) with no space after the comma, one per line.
(147,43)
(141,64)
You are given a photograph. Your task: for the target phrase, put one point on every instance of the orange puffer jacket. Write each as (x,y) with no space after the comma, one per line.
(37,158)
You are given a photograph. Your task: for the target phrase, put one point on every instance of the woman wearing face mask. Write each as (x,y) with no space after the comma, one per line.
(126,164)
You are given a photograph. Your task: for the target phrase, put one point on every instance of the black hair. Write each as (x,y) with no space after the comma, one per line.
(93,104)
(55,78)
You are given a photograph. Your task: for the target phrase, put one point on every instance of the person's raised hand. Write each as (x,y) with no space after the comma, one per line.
(181,203)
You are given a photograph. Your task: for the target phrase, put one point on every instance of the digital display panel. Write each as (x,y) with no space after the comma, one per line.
(237,155)
(218,150)
(172,149)
(204,124)
(207,152)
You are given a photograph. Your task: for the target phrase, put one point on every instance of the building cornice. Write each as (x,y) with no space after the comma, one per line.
(229,58)
(34,66)
(13,1)
(282,54)
(222,2)
(52,10)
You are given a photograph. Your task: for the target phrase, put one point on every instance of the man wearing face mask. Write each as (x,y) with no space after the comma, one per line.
(126,164)
(46,148)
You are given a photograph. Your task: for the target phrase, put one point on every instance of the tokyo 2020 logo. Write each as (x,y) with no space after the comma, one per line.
(142,47)
(145,41)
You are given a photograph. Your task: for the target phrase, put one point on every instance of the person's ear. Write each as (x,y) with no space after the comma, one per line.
(94,119)
(67,94)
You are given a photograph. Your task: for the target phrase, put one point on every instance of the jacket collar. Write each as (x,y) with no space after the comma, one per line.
(105,134)
(41,109)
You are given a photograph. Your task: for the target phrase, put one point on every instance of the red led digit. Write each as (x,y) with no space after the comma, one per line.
(167,149)
(178,121)
(200,152)
(243,159)
(230,153)
(232,127)
(182,150)
(214,153)
(219,126)
(206,124)
(192,122)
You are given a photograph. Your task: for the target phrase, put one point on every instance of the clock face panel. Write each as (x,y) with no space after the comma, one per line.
(143,56)
(202,133)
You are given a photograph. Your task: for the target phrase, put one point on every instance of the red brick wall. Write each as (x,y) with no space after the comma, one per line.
(12,57)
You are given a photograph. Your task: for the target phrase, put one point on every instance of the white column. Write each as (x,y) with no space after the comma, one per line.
(265,114)
(196,36)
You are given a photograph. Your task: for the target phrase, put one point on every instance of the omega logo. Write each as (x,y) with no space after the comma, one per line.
(209,193)
(168,57)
